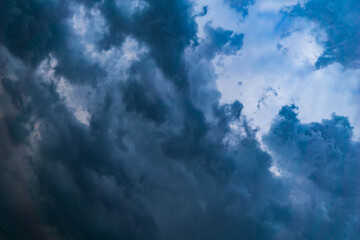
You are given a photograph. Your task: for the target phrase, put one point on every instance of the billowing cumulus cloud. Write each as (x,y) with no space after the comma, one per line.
(112,127)
(321,163)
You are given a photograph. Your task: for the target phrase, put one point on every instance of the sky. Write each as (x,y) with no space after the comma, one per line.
(179,119)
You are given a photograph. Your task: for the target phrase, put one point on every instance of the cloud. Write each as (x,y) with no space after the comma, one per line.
(338,19)
(240,5)
(320,161)
(280,52)
(159,157)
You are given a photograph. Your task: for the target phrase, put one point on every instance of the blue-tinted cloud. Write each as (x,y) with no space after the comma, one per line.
(340,21)
(240,5)
(321,163)
(159,157)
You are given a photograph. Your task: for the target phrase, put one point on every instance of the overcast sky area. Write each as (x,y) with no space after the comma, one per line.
(179,119)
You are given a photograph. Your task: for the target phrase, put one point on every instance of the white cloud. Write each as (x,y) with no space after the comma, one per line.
(270,62)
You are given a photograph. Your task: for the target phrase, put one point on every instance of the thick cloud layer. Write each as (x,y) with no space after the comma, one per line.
(111,128)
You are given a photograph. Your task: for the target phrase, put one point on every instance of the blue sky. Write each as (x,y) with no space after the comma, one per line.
(179,119)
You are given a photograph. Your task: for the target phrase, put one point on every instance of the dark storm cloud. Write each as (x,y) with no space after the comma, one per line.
(159,158)
(68,168)
(166,27)
(32,30)
(91,187)
(111,180)
(27,27)
(340,21)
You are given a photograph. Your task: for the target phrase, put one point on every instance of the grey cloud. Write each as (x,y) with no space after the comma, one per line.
(160,158)
(32,30)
